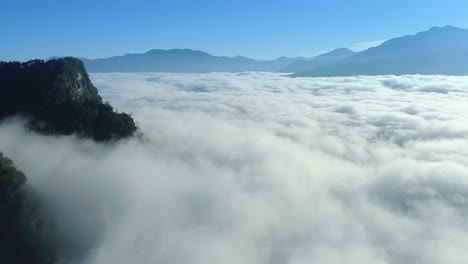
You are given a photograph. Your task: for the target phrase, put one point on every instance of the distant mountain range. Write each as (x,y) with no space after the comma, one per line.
(439,50)
(184,61)
(319,61)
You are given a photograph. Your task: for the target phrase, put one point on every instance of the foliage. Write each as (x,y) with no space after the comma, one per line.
(59,98)
(22,228)
(11,179)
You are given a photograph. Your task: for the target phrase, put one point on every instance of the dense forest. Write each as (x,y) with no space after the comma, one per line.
(27,235)
(58,98)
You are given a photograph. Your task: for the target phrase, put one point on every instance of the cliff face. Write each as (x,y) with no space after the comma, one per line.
(69,81)
(59,98)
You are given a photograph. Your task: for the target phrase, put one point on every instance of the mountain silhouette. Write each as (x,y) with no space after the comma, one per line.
(439,50)
(183,61)
(320,60)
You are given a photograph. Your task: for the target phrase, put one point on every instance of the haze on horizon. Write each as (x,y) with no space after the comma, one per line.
(256,29)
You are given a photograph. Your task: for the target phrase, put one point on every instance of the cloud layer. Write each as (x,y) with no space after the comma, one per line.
(261,168)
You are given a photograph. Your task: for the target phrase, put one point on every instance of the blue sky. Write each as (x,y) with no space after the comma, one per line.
(253,28)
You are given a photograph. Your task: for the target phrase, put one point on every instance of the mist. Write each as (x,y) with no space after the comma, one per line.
(261,168)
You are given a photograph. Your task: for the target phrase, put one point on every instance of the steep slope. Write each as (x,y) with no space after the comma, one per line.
(434,40)
(59,98)
(456,65)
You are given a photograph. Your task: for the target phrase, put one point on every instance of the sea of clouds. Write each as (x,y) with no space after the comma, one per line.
(260,168)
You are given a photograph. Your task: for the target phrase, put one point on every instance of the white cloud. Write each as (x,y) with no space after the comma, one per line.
(261,168)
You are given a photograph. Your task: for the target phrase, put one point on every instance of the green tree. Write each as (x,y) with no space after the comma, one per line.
(24,237)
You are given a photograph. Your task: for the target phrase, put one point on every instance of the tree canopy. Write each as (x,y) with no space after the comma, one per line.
(59,98)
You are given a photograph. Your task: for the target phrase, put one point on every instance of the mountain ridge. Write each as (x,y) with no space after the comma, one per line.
(439,50)
(320,60)
(183,61)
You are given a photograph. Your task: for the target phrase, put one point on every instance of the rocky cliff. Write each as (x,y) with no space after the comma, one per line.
(59,98)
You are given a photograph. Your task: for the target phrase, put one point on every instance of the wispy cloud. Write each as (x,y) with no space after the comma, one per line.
(365,45)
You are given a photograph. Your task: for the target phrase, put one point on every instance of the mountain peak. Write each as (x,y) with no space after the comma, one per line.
(342,50)
(175,51)
(336,54)
(439,50)
(59,98)
(447,27)
(445,30)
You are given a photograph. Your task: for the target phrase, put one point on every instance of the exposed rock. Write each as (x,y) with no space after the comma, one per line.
(59,98)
